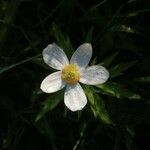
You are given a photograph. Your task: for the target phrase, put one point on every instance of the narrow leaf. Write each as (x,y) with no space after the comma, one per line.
(51,102)
(98,106)
(62,40)
(46,129)
(89,35)
(122,28)
(3,69)
(118,69)
(143,79)
(117,90)
(109,60)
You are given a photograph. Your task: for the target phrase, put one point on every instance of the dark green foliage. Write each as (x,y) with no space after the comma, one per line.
(117,116)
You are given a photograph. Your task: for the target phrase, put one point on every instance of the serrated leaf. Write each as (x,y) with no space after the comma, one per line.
(117,90)
(49,104)
(98,106)
(118,69)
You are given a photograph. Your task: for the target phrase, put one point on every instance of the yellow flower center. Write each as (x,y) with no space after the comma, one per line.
(70,74)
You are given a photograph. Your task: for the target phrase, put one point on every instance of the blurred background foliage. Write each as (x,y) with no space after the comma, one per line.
(117,116)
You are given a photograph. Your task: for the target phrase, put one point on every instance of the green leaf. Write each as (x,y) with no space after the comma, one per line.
(51,102)
(41,63)
(143,79)
(130,131)
(3,69)
(94,61)
(127,29)
(98,106)
(109,60)
(122,28)
(118,69)
(89,35)
(117,90)
(46,129)
(94,7)
(62,40)
(137,12)
(9,15)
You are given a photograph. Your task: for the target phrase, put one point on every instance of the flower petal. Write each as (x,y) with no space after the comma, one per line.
(75,98)
(55,57)
(82,55)
(52,83)
(94,75)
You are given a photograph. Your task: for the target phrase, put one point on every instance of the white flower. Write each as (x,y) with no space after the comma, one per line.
(70,73)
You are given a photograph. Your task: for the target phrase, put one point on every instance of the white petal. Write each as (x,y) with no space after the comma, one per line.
(52,83)
(75,98)
(55,57)
(82,55)
(94,75)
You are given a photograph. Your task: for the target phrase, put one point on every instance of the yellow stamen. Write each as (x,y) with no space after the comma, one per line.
(70,74)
